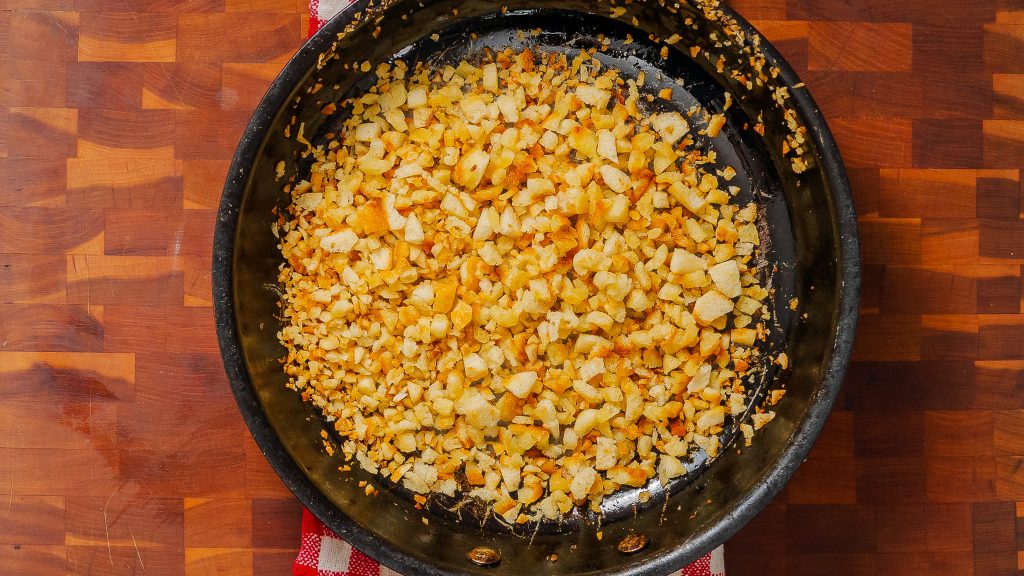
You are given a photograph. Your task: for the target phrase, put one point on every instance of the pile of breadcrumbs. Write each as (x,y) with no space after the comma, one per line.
(511,281)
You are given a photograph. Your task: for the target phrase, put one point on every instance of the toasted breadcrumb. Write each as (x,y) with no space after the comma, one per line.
(506,278)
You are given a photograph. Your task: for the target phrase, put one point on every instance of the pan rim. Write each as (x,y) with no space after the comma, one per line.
(745,507)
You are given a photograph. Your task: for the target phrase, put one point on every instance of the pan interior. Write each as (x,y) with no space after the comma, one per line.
(694,92)
(800,246)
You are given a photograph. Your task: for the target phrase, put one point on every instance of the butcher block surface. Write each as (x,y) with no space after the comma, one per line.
(122,451)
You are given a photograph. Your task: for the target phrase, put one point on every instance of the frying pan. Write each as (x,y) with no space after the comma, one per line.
(787,161)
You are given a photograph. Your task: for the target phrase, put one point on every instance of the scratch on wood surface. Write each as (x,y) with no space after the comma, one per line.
(106,528)
(59,25)
(174,86)
(10,497)
(127,241)
(137,553)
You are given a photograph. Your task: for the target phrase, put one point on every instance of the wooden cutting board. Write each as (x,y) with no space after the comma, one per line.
(121,450)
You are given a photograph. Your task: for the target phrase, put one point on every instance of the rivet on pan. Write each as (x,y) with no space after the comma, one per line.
(484,556)
(632,543)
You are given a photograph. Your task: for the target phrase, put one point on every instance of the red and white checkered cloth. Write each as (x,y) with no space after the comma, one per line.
(320,11)
(323,553)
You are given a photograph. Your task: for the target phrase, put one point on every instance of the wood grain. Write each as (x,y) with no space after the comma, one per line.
(121,451)
(858,46)
(926,101)
(114,144)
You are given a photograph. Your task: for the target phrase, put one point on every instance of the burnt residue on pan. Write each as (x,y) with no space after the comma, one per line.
(715,65)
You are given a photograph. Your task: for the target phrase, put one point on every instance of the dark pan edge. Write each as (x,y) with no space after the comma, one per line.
(848,298)
(296,481)
(224,240)
(846,325)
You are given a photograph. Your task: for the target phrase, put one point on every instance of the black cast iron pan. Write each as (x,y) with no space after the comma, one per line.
(809,253)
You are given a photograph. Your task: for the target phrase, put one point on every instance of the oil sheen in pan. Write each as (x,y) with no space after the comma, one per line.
(630,51)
